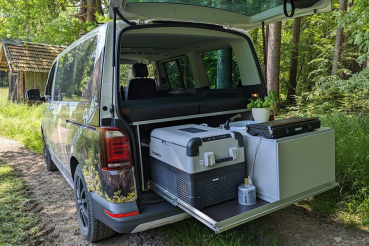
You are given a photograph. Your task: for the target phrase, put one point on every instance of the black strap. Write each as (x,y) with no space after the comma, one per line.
(285,8)
(115,9)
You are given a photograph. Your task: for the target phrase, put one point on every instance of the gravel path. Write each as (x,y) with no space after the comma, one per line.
(52,199)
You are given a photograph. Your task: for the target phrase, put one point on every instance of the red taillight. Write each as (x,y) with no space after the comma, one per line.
(121,215)
(115,149)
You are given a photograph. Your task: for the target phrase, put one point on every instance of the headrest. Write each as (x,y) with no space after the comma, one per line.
(139,70)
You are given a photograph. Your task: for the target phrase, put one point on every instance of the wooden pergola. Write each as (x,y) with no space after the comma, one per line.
(27,65)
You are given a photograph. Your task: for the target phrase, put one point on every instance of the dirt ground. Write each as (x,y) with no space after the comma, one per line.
(52,199)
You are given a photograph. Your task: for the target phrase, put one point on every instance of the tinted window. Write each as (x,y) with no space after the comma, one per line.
(180,74)
(222,69)
(78,73)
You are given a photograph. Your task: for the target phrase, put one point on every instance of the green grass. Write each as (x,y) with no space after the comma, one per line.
(21,122)
(16,225)
(192,232)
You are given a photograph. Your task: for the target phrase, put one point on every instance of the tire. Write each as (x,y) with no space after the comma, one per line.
(91,228)
(50,165)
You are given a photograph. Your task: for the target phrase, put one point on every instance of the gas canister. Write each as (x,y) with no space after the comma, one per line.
(246,193)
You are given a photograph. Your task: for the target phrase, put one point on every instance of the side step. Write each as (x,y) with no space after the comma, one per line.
(230,214)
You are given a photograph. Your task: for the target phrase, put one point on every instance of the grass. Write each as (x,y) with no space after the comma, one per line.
(21,122)
(192,232)
(16,224)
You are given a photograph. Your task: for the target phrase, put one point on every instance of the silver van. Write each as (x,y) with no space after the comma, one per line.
(161,65)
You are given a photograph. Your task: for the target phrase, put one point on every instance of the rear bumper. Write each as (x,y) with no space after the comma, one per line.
(150,216)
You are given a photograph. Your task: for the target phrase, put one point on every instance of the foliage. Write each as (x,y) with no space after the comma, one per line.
(21,122)
(356,23)
(41,21)
(16,224)
(268,102)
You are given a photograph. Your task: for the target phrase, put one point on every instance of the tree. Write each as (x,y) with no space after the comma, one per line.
(224,68)
(294,58)
(46,21)
(274,55)
(339,40)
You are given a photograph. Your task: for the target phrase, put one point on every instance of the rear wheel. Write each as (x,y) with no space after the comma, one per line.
(91,228)
(50,165)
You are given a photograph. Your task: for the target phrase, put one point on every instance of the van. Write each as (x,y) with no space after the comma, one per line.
(165,64)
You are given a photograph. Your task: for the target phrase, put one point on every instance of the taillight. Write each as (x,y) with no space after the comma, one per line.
(115,149)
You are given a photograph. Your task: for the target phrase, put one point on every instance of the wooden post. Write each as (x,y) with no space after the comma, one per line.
(9,85)
(20,92)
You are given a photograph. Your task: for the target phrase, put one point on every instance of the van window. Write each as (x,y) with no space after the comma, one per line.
(78,73)
(222,69)
(125,73)
(180,74)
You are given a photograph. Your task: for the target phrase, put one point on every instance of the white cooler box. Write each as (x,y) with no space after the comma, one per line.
(202,166)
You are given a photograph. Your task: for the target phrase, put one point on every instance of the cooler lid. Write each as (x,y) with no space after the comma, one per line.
(245,14)
(182,134)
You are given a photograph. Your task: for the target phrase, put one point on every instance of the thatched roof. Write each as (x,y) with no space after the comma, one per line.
(19,56)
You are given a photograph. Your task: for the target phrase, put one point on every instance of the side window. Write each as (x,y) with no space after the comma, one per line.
(78,73)
(49,84)
(180,74)
(222,69)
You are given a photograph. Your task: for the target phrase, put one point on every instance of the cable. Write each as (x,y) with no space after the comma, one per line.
(292,8)
(256,151)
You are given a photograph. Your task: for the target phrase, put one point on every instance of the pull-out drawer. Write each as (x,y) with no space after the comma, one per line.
(227,215)
(286,170)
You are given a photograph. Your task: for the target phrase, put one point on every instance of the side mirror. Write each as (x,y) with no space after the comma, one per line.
(34,95)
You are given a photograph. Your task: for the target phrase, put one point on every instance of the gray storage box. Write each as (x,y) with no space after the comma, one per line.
(200,165)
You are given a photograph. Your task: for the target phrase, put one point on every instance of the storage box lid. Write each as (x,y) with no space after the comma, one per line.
(182,134)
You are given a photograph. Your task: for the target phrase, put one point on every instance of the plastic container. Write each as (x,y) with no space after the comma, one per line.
(240,126)
(246,193)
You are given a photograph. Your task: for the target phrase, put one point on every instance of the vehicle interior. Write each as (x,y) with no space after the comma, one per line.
(174,76)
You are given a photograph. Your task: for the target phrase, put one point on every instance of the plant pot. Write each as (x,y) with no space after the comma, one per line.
(260,114)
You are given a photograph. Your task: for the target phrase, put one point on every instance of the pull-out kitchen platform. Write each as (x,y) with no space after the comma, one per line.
(286,170)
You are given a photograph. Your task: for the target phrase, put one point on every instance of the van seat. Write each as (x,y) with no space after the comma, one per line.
(141,87)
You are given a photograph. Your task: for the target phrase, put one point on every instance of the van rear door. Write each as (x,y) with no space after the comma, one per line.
(244,14)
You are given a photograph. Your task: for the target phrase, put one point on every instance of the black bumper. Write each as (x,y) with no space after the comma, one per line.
(128,224)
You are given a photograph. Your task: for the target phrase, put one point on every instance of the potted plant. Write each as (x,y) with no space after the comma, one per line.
(261,109)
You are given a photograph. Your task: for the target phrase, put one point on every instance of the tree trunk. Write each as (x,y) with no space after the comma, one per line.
(224,68)
(339,39)
(266,51)
(294,58)
(274,57)
(99,9)
(91,6)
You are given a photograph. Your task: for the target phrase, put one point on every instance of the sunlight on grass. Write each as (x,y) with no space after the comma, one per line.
(16,225)
(21,122)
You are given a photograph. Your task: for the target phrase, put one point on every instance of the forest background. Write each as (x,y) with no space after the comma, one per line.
(318,64)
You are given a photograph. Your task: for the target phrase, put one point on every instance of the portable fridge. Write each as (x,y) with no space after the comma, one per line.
(202,166)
